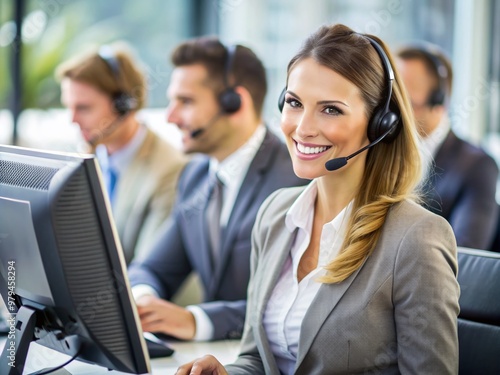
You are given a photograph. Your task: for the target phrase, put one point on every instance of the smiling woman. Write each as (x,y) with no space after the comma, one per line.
(318,129)
(350,262)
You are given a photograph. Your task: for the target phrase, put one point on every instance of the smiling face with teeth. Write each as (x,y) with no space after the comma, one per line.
(324,117)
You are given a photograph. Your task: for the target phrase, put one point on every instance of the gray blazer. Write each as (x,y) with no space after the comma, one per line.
(395,314)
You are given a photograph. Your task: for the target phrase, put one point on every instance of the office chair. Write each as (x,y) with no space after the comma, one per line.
(479,318)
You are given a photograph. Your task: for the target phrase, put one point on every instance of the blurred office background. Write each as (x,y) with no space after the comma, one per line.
(53,30)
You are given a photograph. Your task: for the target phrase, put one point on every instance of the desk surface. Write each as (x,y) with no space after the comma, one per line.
(226,351)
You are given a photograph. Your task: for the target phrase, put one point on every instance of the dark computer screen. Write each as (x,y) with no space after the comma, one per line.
(61,265)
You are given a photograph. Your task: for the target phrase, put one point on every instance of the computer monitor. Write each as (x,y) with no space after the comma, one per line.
(62,265)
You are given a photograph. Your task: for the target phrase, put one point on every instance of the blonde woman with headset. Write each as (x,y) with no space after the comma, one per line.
(349,274)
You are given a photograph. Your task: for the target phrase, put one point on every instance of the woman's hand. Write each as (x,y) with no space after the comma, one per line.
(206,365)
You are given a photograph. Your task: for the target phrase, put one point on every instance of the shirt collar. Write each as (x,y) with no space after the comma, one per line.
(433,141)
(121,159)
(333,235)
(233,168)
(298,216)
(301,215)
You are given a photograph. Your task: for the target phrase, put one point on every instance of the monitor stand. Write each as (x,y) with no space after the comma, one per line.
(4,327)
(15,350)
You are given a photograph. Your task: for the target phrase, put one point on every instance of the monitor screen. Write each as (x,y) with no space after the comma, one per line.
(61,265)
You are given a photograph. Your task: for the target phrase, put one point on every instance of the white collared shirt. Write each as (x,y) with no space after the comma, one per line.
(233,170)
(120,160)
(290,299)
(430,145)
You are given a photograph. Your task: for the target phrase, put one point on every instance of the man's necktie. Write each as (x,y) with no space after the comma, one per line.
(112,184)
(213,212)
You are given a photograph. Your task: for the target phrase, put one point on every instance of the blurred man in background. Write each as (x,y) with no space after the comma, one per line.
(216,96)
(103,91)
(461,178)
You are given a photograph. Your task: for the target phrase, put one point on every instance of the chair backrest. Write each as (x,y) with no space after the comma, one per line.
(479,318)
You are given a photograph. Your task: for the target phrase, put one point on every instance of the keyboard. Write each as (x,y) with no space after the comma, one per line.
(156,347)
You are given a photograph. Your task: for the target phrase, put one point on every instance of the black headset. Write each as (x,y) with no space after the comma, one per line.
(122,101)
(384,122)
(432,54)
(229,99)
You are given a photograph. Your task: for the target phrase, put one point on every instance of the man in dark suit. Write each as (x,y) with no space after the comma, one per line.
(461,178)
(216,96)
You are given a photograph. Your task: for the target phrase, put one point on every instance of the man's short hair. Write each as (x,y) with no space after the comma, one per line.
(93,69)
(437,63)
(246,69)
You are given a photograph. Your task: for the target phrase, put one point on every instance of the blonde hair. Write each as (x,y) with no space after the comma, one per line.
(91,68)
(393,170)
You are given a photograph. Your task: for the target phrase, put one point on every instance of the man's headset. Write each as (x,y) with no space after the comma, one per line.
(122,101)
(229,99)
(432,54)
(383,124)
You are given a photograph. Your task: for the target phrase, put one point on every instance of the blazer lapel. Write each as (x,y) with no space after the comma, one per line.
(131,191)
(321,307)
(447,159)
(444,183)
(246,196)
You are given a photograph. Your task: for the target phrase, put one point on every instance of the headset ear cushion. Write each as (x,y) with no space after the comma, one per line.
(381,123)
(373,126)
(124,103)
(230,101)
(436,97)
(390,123)
(281,99)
